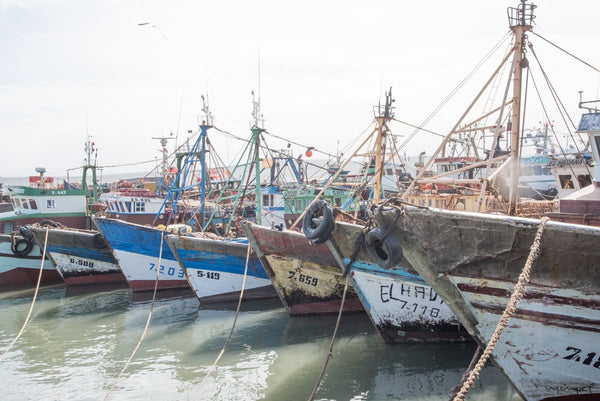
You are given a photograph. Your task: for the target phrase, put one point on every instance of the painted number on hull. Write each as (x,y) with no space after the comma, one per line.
(576,355)
(81,262)
(211,275)
(169,272)
(308,280)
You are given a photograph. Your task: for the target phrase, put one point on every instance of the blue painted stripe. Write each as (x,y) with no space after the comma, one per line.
(133,238)
(219,262)
(398,271)
(85,253)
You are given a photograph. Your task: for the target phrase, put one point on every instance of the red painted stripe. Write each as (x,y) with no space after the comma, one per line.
(96,279)
(148,285)
(530,294)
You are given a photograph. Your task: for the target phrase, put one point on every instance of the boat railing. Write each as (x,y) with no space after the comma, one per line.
(521,15)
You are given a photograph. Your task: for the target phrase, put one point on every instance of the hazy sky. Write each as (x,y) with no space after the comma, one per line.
(68,67)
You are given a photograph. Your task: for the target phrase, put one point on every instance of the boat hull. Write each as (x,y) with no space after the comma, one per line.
(137,250)
(474,260)
(215,269)
(79,258)
(21,272)
(400,303)
(305,276)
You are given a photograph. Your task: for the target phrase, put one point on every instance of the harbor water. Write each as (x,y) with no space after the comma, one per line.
(78,341)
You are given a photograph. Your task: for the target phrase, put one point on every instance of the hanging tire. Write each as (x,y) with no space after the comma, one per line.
(318,232)
(385,250)
(98,241)
(26,233)
(22,246)
(49,223)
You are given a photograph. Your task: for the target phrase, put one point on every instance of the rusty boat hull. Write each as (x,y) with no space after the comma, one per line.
(305,276)
(81,257)
(473,261)
(400,303)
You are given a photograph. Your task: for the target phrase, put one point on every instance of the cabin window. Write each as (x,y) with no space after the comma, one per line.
(389,171)
(266,200)
(565,181)
(25,204)
(140,207)
(50,204)
(32,204)
(17,203)
(8,227)
(584,180)
(338,202)
(298,204)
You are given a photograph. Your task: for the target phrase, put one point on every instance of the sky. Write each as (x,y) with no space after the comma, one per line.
(71,68)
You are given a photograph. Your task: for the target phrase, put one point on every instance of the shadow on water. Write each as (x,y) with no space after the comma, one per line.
(78,342)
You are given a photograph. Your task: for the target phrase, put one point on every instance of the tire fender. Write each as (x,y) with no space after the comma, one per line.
(385,250)
(318,232)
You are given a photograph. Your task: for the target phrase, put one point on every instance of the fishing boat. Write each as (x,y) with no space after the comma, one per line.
(476,262)
(138,248)
(219,267)
(310,273)
(43,200)
(20,262)
(81,257)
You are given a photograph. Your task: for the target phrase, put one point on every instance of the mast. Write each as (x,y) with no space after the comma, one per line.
(207,122)
(382,116)
(520,20)
(90,150)
(257,128)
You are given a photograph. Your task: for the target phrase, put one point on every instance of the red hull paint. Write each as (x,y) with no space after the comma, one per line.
(22,278)
(253,294)
(148,285)
(351,305)
(271,242)
(97,279)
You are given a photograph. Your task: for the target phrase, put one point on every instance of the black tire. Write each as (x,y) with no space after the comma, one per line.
(49,223)
(98,241)
(386,252)
(18,249)
(26,233)
(320,231)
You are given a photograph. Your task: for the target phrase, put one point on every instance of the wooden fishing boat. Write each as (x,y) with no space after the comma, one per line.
(20,261)
(80,256)
(474,261)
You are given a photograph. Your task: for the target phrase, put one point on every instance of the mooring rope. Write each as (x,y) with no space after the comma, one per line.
(162,237)
(237,312)
(37,287)
(511,308)
(330,351)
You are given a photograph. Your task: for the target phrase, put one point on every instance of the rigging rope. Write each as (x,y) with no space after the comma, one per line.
(145,331)
(510,310)
(237,312)
(329,352)
(37,287)
(563,50)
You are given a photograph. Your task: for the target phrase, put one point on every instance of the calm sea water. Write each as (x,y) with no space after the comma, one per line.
(78,342)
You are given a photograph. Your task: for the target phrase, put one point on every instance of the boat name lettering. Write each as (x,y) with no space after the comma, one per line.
(58,192)
(169,271)
(391,293)
(576,355)
(208,274)
(81,262)
(569,388)
(303,278)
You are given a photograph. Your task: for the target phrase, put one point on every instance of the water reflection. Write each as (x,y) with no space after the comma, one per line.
(78,342)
